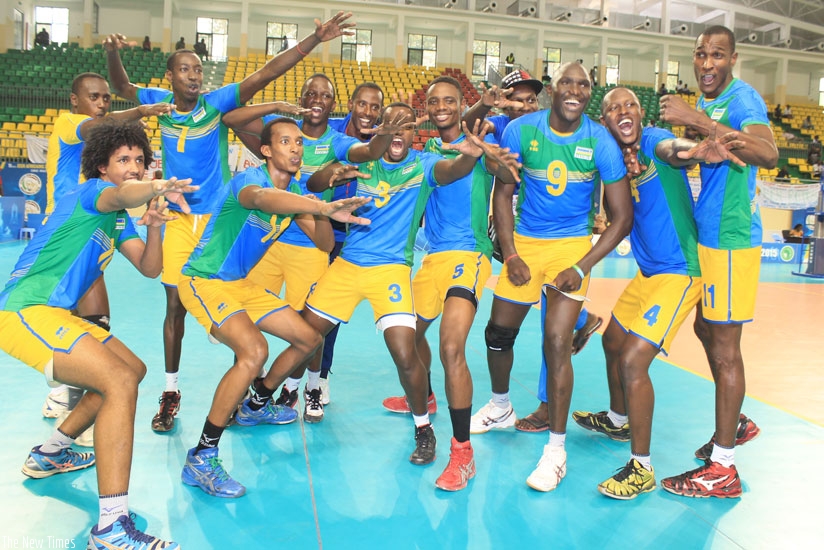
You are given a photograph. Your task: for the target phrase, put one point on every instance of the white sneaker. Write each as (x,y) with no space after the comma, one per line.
(313,410)
(491,416)
(86,439)
(56,402)
(550,471)
(324,391)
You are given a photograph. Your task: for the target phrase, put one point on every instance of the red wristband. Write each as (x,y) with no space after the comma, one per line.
(301,52)
(506,260)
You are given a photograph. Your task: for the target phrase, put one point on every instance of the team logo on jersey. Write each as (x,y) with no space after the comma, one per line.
(583,153)
(198,115)
(718,113)
(120,224)
(408,169)
(321,149)
(533,146)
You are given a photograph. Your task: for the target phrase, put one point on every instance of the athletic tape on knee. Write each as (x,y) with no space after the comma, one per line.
(500,338)
(100,320)
(463,292)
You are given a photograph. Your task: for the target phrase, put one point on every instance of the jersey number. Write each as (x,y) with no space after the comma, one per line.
(556,175)
(383,193)
(651,315)
(459,270)
(709,296)
(181,140)
(395,293)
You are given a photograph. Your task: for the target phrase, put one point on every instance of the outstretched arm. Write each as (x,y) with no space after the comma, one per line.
(335,27)
(135,113)
(117,73)
(493,97)
(277,201)
(382,138)
(134,193)
(332,175)
(247,124)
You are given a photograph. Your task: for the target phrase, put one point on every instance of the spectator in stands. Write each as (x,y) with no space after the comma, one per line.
(814,151)
(787,113)
(651,123)
(797,231)
(510,63)
(181,44)
(817,168)
(593,75)
(147,44)
(662,89)
(777,112)
(782,175)
(807,123)
(42,38)
(201,50)
(683,89)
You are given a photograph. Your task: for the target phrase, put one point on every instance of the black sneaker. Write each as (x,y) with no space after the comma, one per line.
(164,420)
(287,398)
(424,445)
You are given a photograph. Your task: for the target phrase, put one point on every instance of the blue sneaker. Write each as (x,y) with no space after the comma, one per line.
(123,534)
(204,470)
(269,414)
(40,464)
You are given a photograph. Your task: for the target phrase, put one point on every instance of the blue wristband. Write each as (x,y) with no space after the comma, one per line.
(579,271)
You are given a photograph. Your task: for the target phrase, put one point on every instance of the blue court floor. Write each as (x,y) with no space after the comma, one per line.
(347,482)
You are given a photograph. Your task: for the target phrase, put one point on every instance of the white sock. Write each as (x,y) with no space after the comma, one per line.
(57,442)
(171,381)
(111,508)
(556,439)
(312,380)
(643,460)
(59,391)
(501,400)
(618,420)
(723,455)
(292,383)
(421,420)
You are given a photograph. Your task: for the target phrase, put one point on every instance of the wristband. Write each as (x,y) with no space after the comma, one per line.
(301,52)
(506,260)
(579,271)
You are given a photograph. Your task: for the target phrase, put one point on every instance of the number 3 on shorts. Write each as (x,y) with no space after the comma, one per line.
(395,293)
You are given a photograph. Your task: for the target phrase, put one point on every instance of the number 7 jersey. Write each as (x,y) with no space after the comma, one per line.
(560,176)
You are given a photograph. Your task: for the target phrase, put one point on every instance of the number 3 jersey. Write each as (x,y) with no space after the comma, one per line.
(559,180)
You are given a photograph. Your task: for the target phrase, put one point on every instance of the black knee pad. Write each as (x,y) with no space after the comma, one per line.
(100,320)
(465,293)
(500,338)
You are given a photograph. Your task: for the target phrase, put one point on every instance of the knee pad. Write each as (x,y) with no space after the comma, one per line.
(100,320)
(500,338)
(462,292)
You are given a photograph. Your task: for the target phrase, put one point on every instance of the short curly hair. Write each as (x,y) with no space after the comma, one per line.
(106,138)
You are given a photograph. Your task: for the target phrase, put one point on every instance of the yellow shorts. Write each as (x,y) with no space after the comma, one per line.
(35,333)
(442,271)
(387,287)
(212,301)
(545,259)
(298,266)
(654,308)
(180,237)
(730,283)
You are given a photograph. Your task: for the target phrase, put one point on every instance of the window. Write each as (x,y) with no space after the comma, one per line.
(613,64)
(821,92)
(357,47)
(422,49)
(18,29)
(280,37)
(215,34)
(486,54)
(672,73)
(55,21)
(552,60)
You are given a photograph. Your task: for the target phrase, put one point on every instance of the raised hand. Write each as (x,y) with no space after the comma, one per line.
(675,111)
(499,98)
(289,108)
(399,123)
(714,150)
(633,165)
(156,109)
(172,189)
(335,27)
(342,210)
(346,172)
(493,151)
(115,42)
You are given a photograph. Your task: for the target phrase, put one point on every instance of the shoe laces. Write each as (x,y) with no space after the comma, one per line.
(136,535)
(167,401)
(422,436)
(626,471)
(217,467)
(313,397)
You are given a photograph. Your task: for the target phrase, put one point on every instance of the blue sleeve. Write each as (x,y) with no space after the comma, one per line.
(608,159)
(341,145)
(488,139)
(511,138)
(747,108)
(249,177)
(428,162)
(128,232)
(224,99)
(90,192)
(650,139)
(146,96)
(339,124)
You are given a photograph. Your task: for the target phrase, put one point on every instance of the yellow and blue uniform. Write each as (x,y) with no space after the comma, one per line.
(195,145)
(664,241)
(557,196)
(728,216)
(294,259)
(54,271)
(63,171)
(456,221)
(213,284)
(376,259)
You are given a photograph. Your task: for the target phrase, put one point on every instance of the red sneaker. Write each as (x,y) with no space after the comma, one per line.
(710,480)
(461,467)
(400,405)
(747,431)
